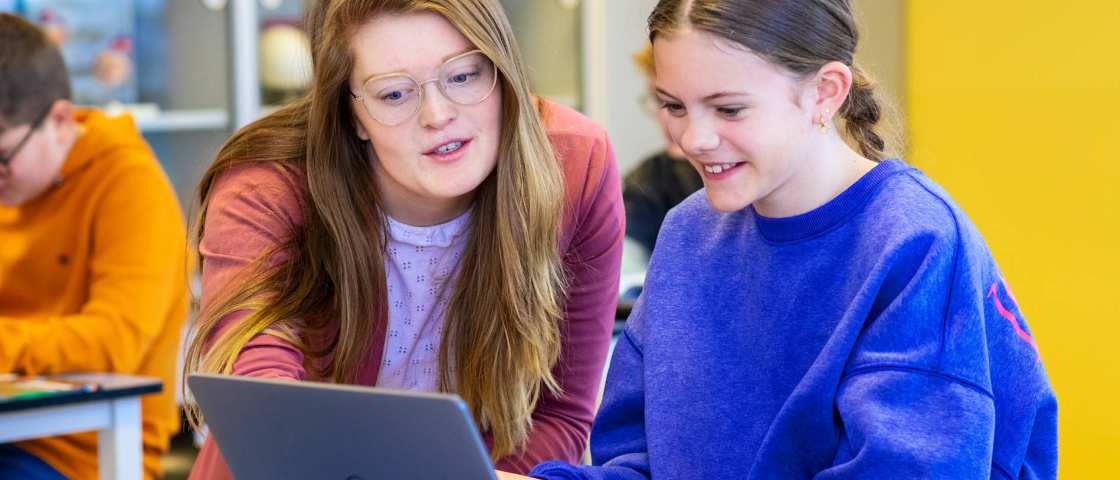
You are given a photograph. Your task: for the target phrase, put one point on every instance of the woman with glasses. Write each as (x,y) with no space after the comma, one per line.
(417,221)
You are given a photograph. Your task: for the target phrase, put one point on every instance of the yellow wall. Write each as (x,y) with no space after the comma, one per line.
(1015,108)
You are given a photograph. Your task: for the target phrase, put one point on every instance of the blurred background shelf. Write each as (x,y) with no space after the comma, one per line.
(184,120)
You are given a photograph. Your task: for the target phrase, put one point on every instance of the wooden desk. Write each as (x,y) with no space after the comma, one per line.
(113,411)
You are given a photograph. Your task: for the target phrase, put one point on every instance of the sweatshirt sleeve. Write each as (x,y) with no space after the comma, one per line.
(901,423)
(252,210)
(619,443)
(945,380)
(137,276)
(561,423)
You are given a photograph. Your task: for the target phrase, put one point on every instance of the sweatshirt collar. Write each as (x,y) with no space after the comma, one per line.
(832,213)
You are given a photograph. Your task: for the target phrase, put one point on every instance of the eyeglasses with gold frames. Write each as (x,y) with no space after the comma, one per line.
(391,99)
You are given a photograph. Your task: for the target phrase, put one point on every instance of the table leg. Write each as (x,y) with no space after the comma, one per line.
(120,448)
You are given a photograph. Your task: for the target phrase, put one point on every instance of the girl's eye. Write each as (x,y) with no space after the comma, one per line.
(674,109)
(730,112)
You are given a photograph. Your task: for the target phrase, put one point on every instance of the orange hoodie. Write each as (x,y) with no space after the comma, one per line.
(93,278)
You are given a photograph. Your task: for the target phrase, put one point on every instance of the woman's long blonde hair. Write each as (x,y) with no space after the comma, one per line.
(329,291)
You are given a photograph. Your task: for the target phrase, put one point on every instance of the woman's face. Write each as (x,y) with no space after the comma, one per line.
(428,163)
(737,117)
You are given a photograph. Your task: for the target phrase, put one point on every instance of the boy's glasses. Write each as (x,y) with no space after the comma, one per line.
(7,158)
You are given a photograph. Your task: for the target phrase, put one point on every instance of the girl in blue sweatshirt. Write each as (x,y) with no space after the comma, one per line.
(816,311)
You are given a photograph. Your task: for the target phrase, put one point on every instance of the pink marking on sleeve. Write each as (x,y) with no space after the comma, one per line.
(1010,317)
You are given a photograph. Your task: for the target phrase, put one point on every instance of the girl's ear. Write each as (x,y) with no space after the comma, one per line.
(832,84)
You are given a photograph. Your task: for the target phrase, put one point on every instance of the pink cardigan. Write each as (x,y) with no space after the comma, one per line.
(254,207)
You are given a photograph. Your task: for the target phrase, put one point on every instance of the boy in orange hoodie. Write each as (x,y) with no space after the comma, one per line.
(92,252)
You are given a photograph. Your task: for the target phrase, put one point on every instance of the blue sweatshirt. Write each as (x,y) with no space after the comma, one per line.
(873,337)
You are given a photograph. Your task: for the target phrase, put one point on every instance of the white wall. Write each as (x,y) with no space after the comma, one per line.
(620,84)
(548,33)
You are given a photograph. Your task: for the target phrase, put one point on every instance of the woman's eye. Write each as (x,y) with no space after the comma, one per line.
(462,78)
(394,97)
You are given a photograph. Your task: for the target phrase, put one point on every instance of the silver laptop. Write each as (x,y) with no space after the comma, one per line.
(271,429)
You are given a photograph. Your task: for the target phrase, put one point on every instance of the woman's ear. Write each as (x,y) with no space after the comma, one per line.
(833,82)
(360,129)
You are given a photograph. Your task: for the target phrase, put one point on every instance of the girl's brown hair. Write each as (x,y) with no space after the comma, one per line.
(329,290)
(800,35)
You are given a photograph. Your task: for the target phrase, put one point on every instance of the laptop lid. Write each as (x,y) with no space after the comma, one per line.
(271,429)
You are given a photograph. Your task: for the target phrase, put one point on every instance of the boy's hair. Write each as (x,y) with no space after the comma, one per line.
(32,73)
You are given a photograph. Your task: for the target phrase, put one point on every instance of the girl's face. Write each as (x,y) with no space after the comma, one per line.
(427,163)
(737,118)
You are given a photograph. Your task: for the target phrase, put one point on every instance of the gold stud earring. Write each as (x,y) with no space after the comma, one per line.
(824,121)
